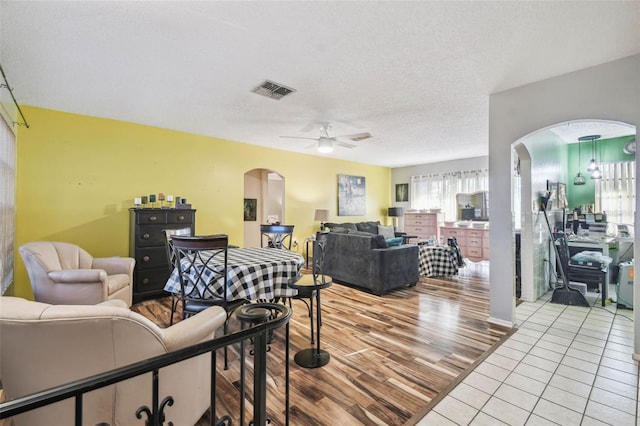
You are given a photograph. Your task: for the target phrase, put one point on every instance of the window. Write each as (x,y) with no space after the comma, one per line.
(7,203)
(615,192)
(438,191)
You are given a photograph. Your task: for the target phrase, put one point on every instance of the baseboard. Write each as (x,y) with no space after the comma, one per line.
(496,321)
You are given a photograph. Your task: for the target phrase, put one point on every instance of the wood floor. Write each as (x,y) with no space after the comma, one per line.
(392,357)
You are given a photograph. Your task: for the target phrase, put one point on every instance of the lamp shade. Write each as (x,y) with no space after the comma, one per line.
(321,215)
(395,211)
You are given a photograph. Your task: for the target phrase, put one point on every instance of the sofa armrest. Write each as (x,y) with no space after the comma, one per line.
(195,328)
(78,276)
(114,265)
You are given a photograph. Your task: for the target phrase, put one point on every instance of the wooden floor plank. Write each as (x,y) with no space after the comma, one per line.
(391,356)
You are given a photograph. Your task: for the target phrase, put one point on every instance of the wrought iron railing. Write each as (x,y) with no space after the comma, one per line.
(257,333)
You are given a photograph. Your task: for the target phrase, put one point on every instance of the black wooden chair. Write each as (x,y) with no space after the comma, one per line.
(168,233)
(276,236)
(203,274)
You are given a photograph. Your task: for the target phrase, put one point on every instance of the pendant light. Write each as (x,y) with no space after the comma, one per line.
(579,179)
(593,168)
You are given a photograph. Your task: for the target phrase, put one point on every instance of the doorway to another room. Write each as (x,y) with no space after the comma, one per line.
(263,202)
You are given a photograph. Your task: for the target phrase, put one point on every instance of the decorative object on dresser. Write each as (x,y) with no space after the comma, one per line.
(147,244)
(423,224)
(472,239)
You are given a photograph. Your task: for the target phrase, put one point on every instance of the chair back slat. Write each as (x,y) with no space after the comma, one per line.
(276,236)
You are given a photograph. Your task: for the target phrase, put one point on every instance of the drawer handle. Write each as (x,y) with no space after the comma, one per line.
(145,236)
(181,217)
(153,218)
(145,281)
(145,259)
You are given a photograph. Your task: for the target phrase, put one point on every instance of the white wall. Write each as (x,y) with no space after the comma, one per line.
(609,91)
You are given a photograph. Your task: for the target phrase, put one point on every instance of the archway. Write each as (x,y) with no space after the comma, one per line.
(264,194)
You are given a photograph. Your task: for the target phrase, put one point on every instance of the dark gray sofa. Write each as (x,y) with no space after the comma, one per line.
(362,259)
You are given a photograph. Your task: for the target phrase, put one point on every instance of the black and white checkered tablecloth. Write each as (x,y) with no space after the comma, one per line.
(254,274)
(437,261)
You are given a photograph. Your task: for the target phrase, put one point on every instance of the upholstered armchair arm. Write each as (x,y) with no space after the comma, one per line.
(195,328)
(114,265)
(78,276)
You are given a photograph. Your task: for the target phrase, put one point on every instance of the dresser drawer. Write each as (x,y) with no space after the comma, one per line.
(184,217)
(474,242)
(475,233)
(474,252)
(150,280)
(153,257)
(453,232)
(150,235)
(150,218)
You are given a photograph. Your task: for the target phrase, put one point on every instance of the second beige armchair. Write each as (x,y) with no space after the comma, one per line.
(63,273)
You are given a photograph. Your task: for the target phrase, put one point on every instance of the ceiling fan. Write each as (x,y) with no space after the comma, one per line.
(325,143)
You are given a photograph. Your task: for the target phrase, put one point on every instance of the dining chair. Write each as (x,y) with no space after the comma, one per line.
(276,236)
(201,262)
(306,284)
(169,233)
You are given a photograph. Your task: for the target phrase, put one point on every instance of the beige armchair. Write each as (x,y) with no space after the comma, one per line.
(63,273)
(44,345)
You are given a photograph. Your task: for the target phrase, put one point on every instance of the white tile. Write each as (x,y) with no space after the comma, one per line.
(613,417)
(492,371)
(620,356)
(533,372)
(613,400)
(551,346)
(616,387)
(580,346)
(482,419)
(590,421)
(505,412)
(620,348)
(501,361)
(524,338)
(528,332)
(433,418)
(579,375)
(567,335)
(599,343)
(566,399)
(627,367)
(556,339)
(573,329)
(517,397)
(533,326)
(585,356)
(627,341)
(481,382)
(526,384)
(550,355)
(620,376)
(539,362)
(579,364)
(510,353)
(519,346)
(470,395)
(570,385)
(557,413)
(535,420)
(455,410)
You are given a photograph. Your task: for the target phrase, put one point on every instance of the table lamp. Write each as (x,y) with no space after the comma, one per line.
(321,215)
(395,213)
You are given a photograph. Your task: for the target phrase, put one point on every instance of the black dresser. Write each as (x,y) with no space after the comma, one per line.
(147,245)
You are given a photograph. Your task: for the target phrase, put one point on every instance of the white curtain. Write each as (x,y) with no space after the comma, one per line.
(7,203)
(615,192)
(438,191)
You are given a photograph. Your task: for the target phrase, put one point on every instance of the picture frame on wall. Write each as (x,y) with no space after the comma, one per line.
(352,196)
(402,192)
(250,209)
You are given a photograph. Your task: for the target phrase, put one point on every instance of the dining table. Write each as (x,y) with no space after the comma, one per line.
(437,260)
(253,273)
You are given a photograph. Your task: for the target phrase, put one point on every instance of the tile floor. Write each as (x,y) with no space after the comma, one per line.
(564,365)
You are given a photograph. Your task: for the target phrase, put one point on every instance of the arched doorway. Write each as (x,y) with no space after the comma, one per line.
(263,191)
(552,155)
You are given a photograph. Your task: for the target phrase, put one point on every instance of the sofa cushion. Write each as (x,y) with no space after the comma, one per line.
(379,242)
(386,231)
(346,225)
(370,227)
(395,241)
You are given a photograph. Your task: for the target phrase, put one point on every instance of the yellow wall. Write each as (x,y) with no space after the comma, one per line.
(78,175)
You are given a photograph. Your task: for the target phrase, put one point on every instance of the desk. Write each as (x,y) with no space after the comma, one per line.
(255,274)
(437,261)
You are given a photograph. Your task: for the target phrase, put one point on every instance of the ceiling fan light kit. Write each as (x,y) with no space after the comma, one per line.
(325,143)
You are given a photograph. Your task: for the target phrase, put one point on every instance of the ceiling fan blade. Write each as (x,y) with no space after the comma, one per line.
(298,137)
(356,136)
(313,145)
(344,144)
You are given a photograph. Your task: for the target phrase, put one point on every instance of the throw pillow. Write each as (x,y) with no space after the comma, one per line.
(386,231)
(379,242)
(395,241)
(370,227)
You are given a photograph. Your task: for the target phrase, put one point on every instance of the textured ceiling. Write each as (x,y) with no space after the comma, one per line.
(416,75)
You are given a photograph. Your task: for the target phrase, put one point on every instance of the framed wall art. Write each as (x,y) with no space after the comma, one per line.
(402,192)
(352,197)
(250,209)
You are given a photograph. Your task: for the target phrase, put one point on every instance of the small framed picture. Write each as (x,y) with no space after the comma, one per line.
(250,209)
(402,192)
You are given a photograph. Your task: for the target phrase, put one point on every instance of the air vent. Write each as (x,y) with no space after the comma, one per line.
(273,90)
